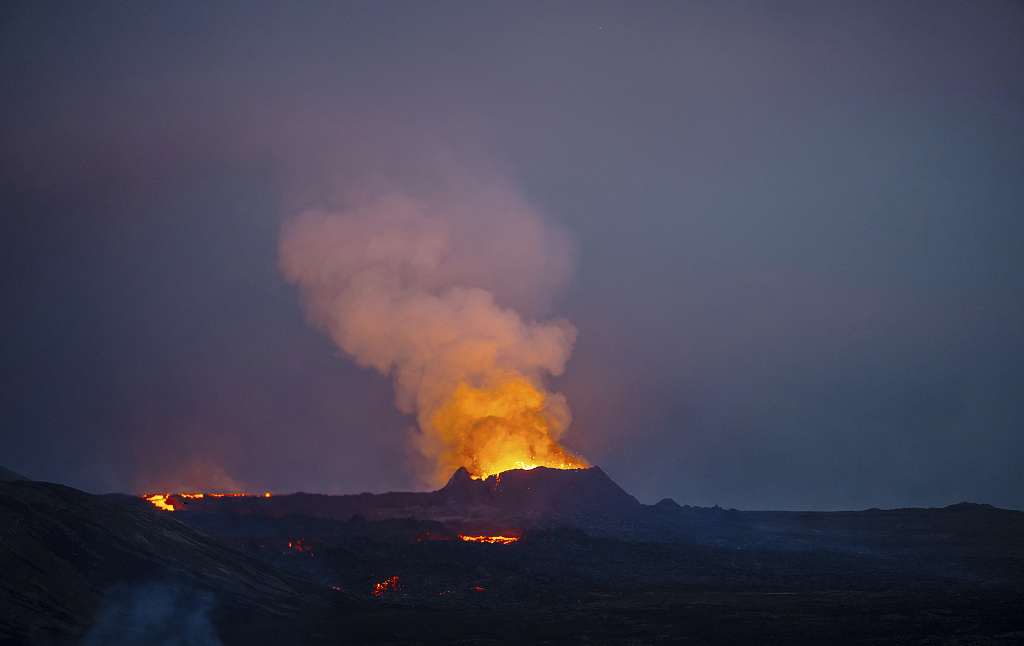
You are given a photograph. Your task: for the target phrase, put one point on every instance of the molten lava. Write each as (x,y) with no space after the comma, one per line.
(503,540)
(298,545)
(160,501)
(512,425)
(167,502)
(388,586)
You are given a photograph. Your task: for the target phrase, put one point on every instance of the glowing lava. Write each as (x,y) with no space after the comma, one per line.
(513,425)
(167,502)
(388,586)
(160,501)
(503,540)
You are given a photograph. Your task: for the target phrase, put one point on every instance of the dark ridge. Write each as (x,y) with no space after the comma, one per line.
(667,506)
(528,498)
(6,475)
(62,551)
(570,491)
(542,491)
(969,506)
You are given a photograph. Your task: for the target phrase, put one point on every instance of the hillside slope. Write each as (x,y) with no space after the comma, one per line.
(71,559)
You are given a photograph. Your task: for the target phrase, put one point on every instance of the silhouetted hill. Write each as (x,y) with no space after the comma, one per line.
(6,475)
(543,492)
(71,560)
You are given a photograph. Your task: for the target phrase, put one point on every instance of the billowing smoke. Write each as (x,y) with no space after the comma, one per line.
(435,292)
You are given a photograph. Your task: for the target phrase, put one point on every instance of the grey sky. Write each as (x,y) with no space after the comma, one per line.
(799,230)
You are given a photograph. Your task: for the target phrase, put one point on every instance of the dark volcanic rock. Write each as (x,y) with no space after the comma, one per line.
(7,475)
(591,566)
(667,506)
(65,554)
(544,492)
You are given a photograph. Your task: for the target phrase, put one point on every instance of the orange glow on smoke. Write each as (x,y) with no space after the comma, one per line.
(510,426)
(503,540)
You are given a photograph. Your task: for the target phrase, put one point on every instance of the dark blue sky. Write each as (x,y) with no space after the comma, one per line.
(799,233)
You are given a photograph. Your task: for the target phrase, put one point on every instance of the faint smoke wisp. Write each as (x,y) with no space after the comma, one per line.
(156,613)
(436,293)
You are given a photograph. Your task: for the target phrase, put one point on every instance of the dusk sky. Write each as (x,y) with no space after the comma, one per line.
(789,236)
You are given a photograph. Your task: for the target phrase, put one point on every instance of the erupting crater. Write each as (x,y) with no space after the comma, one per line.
(512,425)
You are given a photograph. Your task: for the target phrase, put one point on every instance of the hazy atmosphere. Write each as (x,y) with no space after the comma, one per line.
(760,255)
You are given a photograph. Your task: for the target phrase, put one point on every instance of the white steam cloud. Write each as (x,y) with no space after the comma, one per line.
(435,293)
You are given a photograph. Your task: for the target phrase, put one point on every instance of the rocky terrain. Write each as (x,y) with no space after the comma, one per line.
(590,565)
(71,560)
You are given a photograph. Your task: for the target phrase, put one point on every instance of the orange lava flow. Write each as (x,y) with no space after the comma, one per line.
(503,540)
(160,501)
(165,500)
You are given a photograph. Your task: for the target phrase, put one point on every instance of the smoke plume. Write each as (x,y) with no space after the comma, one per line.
(435,292)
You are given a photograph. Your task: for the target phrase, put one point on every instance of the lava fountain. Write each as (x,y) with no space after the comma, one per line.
(434,293)
(509,426)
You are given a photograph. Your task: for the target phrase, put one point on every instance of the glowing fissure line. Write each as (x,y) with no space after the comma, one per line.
(503,540)
(163,500)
